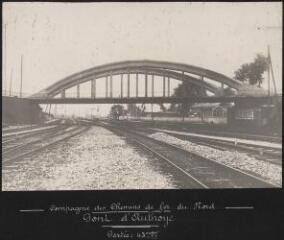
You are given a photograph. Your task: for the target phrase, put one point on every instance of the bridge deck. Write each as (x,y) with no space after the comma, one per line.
(157,100)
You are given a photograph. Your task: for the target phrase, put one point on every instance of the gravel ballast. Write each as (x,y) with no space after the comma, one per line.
(96,159)
(242,161)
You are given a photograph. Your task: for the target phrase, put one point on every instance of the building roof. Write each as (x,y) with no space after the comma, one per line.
(205,105)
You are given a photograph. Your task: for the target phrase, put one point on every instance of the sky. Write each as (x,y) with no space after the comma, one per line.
(59,39)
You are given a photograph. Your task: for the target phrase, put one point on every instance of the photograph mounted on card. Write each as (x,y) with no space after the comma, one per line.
(141,120)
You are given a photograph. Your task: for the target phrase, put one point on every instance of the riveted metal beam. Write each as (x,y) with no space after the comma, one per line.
(146,85)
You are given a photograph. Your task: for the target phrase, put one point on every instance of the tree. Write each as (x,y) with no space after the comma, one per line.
(185,89)
(116,111)
(134,110)
(252,72)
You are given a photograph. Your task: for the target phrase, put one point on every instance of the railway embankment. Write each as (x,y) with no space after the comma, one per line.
(20,111)
(264,133)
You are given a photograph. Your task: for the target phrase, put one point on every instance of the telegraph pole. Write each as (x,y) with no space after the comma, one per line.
(11,79)
(271,68)
(21,86)
(5,59)
(268,71)
(269,58)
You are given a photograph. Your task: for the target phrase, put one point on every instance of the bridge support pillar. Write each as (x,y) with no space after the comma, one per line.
(93,88)
(63,93)
(111,86)
(49,109)
(153,86)
(146,85)
(203,90)
(152,114)
(106,86)
(184,94)
(78,91)
(121,85)
(222,88)
(169,86)
(164,86)
(128,85)
(136,84)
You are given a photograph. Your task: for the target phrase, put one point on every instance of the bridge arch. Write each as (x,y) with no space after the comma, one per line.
(176,71)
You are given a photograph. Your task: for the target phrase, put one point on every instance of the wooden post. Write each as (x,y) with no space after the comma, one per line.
(11,79)
(268,79)
(21,86)
(5,60)
(271,69)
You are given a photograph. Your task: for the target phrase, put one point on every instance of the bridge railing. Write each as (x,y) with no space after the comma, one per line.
(115,94)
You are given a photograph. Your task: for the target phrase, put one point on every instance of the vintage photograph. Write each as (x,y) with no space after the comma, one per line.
(113,96)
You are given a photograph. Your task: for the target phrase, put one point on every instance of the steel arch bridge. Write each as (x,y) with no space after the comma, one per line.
(148,68)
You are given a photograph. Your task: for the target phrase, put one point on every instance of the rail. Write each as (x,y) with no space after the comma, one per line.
(209,172)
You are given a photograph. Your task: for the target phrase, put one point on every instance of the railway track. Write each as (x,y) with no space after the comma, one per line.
(200,172)
(268,154)
(23,133)
(221,132)
(264,153)
(28,148)
(20,143)
(19,128)
(16,137)
(250,136)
